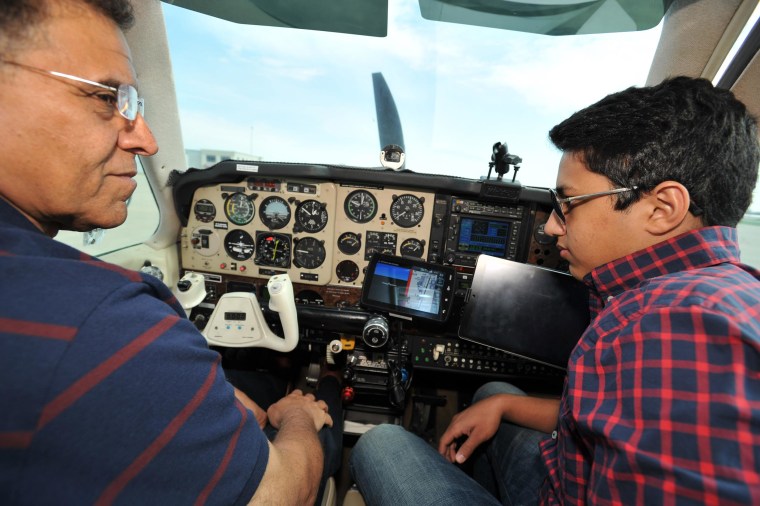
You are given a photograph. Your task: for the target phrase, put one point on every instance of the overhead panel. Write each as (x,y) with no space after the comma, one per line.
(358,17)
(550,17)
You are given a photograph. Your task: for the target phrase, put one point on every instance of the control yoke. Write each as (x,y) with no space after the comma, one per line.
(237,320)
(191,290)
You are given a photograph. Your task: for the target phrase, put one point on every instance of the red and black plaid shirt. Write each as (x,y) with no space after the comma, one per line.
(662,397)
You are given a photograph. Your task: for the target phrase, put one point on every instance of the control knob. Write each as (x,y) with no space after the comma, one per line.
(376,332)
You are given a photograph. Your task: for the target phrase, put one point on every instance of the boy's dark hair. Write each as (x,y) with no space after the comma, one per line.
(683,130)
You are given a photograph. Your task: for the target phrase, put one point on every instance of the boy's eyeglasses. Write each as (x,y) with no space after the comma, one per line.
(560,205)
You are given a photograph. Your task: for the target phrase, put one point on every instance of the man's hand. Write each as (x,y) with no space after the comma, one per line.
(478,423)
(295,456)
(297,403)
(247,402)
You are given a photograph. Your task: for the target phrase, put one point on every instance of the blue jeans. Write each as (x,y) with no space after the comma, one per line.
(394,467)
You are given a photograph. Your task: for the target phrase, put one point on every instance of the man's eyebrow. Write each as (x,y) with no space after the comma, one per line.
(113,83)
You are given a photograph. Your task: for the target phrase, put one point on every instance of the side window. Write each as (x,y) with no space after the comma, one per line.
(142,221)
(749,239)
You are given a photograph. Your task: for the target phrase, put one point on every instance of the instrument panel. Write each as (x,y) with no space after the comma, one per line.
(244,222)
(318,232)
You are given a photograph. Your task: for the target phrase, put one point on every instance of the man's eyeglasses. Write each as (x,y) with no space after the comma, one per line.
(560,205)
(126,100)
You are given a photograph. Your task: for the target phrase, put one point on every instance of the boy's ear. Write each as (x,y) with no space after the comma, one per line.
(667,207)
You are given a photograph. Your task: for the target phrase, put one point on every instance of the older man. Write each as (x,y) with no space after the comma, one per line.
(107,392)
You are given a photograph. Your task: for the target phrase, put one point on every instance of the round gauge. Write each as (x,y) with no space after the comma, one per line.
(309,297)
(349,243)
(239,208)
(205,211)
(347,271)
(311,215)
(239,244)
(360,206)
(407,210)
(412,248)
(273,250)
(309,253)
(274,212)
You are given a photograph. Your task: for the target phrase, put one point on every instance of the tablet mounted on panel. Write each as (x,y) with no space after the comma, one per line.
(409,288)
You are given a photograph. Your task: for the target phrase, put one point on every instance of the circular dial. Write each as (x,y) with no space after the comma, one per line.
(347,271)
(349,243)
(311,215)
(309,253)
(239,208)
(205,210)
(407,210)
(360,206)
(274,212)
(273,250)
(412,248)
(376,332)
(239,244)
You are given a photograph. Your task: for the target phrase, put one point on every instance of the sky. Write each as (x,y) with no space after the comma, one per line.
(304,96)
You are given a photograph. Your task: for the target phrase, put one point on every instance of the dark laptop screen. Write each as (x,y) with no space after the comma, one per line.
(523,309)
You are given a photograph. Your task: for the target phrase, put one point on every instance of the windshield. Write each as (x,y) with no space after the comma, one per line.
(293,95)
(455,90)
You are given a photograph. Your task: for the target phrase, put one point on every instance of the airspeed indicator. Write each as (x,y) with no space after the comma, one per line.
(239,209)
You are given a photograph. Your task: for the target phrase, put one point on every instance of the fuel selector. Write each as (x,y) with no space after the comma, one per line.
(376,333)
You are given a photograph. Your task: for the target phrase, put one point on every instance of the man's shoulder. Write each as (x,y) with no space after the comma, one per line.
(38,271)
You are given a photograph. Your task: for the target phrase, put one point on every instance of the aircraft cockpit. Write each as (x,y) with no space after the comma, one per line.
(323,226)
(394,239)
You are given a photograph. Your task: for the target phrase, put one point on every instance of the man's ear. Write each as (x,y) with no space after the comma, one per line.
(668,208)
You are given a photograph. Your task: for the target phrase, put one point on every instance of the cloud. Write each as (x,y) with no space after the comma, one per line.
(308,95)
(546,72)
